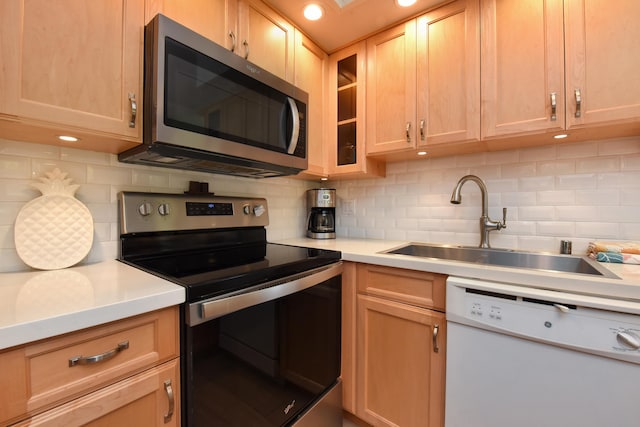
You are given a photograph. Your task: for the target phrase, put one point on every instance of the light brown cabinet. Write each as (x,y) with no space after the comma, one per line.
(72,67)
(572,65)
(310,74)
(346,115)
(391,89)
(249,28)
(522,67)
(265,38)
(398,371)
(423,81)
(214,19)
(602,54)
(98,374)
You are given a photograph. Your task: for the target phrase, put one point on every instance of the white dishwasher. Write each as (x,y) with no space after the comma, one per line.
(526,357)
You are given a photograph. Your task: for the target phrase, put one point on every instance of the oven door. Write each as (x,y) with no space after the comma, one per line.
(264,357)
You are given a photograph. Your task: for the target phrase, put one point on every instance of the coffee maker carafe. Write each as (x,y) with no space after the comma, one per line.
(321,203)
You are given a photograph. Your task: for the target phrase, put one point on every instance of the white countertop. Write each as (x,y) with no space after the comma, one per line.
(41,304)
(368,251)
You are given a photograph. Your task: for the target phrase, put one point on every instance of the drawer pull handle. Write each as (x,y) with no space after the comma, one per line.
(407,130)
(436,329)
(172,400)
(89,360)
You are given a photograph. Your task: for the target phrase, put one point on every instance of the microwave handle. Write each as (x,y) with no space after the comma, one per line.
(293,142)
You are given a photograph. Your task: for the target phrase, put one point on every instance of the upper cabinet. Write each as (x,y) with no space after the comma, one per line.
(448,64)
(526,89)
(391,89)
(249,28)
(310,74)
(265,38)
(423,81)
(214,19)
(522,67)
(346,115)
(74,67)
(603,62)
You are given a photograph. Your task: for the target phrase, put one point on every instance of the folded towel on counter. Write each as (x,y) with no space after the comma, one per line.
(616,247)
(617,257)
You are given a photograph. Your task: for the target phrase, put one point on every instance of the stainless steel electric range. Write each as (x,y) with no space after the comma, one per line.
(260,334)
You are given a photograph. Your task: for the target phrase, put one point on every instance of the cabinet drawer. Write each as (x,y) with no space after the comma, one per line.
(418,288)
(150,398)
(36,376)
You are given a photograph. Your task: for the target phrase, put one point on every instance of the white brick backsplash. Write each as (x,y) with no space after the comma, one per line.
(15,167)
(575,191)
(630,163)
(599,197)
(559,197)
(598,164)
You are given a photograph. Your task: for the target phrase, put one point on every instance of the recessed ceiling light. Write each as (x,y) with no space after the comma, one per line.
(405,3)
(560,136)
(68,138)
(313,12)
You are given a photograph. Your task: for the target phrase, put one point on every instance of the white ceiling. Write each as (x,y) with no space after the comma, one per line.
(342,25)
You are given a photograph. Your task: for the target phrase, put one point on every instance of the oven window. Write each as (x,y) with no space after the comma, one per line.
(264,365)
(206,96)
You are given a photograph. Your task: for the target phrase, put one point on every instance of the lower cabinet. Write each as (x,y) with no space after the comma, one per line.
(151,398)
(400,330)
(123,373)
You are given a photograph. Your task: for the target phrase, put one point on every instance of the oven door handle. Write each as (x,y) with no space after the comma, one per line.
(200,312)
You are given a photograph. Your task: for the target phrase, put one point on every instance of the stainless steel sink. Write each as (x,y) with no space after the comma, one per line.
(506,258)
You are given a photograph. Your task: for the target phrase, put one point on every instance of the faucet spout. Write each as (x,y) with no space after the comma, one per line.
(486,224)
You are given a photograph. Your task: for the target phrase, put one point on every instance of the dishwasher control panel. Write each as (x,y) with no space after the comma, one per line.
(536,315)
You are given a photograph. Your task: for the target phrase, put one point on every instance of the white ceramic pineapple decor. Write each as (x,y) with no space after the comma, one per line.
(54,230)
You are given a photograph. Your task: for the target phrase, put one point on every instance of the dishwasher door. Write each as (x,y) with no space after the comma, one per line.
(521,357)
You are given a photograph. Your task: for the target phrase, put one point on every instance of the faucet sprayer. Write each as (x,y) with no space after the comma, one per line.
(486,224)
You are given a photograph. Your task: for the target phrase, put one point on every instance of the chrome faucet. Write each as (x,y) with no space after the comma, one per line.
(486,224)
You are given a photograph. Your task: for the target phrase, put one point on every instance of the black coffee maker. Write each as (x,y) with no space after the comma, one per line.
(321,203)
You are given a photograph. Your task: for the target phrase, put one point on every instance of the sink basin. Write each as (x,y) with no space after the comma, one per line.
(506,258)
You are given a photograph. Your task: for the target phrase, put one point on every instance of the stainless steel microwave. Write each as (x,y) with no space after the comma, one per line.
(208,109)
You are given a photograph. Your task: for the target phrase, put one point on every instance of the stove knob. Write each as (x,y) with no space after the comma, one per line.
(163,209)
(259,210)
(246,209)
(145,209)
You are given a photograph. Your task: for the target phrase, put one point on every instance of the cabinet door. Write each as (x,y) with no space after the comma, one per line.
(214,19)
(73,64)
(603,61)
(346,150)
(310,74)
(401,361)
(391,89)
(265,38)
(522,67)
(151,398)
(449,74)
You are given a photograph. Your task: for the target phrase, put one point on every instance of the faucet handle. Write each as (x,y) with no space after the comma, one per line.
(504,218)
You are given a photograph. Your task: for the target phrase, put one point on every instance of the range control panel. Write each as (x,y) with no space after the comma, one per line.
(151,212)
